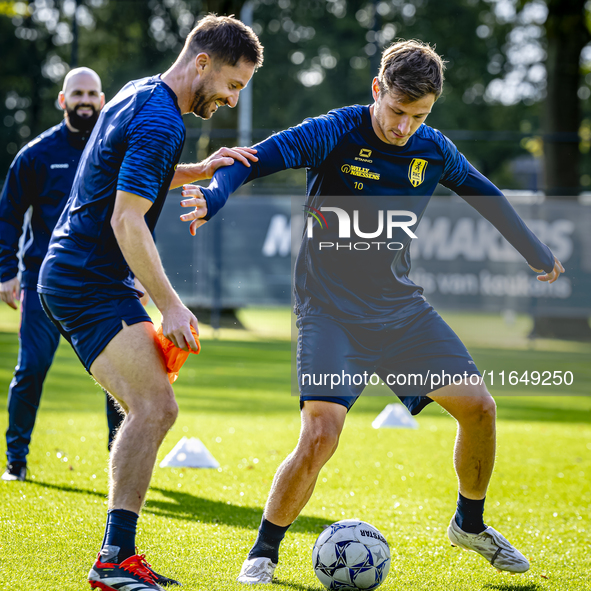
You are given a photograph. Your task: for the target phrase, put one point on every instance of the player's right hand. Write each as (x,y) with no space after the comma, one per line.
(553,275)
(176,326)
(196,200)
(10,292)
(226,157)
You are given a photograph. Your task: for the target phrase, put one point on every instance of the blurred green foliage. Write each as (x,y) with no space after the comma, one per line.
(319,55)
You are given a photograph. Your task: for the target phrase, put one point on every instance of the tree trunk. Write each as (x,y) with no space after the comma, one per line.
(570,329)
(566,35)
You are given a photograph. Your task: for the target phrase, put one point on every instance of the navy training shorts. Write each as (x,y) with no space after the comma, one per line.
(90,323)
(409,357)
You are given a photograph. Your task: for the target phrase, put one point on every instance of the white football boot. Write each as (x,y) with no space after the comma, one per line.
(257,571)
(15,472)
(490,544)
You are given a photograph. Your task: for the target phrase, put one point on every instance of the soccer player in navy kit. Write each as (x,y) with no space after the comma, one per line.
(359,315)
(40,178)
(105,235)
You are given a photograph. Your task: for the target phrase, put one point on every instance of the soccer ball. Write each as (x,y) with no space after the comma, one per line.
(350,555)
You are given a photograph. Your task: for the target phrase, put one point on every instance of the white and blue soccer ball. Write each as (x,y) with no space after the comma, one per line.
(350,555)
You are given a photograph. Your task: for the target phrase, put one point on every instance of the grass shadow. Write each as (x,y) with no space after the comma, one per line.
(299,586)
(188,507)
(68,488)
(192,508)
(513,587)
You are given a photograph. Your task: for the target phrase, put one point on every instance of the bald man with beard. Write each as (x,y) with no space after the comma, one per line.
(34,194)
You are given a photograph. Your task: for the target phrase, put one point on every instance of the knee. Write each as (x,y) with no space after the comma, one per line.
(488,408)
(169,412)
(319,443)
(159,412)
(481,410)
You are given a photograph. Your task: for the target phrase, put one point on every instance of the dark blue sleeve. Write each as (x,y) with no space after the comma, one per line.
(455,165)
(153,139)
(308,144)
(485,198)
(304,146)
(15,199)
(228,179)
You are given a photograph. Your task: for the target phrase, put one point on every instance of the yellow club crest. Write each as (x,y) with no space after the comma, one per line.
(416,171)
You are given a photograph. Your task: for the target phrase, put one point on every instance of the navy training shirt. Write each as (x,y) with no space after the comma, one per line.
(33,197)
(134,147)
(346,159)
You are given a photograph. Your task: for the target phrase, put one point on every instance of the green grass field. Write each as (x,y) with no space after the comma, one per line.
(198,525)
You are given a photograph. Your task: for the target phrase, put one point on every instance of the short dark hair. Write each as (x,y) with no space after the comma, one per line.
(411,70)
(226,39)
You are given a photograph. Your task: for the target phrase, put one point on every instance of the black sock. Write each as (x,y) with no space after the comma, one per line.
(119,540)
(469,515)
(268,540)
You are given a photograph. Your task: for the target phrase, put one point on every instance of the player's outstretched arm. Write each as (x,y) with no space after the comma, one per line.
(305,145)
(189,173)
(490,202)
(208,201)
(138,248)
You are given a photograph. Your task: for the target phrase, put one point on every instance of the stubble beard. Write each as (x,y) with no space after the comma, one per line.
(203,99)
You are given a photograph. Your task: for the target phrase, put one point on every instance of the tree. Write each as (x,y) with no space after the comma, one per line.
(28,76)
(514,66)
(320,54)
(567,34)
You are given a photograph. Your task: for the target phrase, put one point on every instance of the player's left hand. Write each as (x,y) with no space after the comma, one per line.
(553,275)
(226,157)
(196,200)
